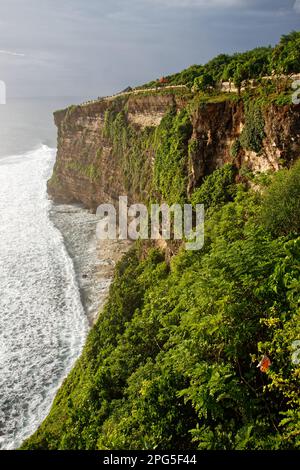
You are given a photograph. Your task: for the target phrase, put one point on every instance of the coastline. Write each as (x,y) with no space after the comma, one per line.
(94,260)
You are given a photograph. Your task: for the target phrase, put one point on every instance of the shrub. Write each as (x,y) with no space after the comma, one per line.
(204,82)
(281,209)
(286,55)
(170,168)
(132,149)
(253,133)
(235,148)
(217,188)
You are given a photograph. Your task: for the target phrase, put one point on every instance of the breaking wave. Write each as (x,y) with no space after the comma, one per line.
(42,322)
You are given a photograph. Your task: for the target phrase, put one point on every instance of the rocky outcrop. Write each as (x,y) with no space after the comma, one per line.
(88,171)
(218,125)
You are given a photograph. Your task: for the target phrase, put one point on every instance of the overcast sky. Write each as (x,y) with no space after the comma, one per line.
(97,47)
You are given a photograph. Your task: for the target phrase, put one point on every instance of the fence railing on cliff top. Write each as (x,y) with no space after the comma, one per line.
(225,87)
(132,92)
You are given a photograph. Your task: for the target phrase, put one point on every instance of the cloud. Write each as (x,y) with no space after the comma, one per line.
(297,6)
(200,3)
(251,5)
(12,53)
(133,41)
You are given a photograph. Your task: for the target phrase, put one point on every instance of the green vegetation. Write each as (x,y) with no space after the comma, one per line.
(181,92)
(281,212)
(241,67)
(54,181)
(253,132)
(172,360)
(235,148)
(204,82)
(286,56)
(71,109)
(133,149)
(217,188)
(246,173)
(91,171)
(172,139)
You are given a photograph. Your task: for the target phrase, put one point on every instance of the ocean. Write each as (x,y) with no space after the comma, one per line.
(43,325)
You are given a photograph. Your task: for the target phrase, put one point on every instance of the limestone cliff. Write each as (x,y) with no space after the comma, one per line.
(88,170)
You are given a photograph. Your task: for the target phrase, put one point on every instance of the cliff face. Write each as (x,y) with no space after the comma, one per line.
(89,171)
(86,169)
(218,125)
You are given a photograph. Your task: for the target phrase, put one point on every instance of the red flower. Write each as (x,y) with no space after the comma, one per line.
(264,364)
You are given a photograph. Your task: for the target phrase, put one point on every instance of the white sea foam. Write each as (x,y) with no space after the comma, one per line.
(42,323)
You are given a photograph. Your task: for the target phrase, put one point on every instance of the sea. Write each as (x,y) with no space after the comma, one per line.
(43,325)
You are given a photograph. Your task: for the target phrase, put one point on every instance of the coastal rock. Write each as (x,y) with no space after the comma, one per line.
(87,170)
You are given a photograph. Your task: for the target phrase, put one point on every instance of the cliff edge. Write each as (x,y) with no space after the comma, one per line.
(110,147)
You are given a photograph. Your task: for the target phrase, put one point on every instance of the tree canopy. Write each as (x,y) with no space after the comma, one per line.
(259,62)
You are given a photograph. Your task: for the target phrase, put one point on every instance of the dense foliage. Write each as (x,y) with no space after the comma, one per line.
(132,149)
(253,132)
(217,188)
(254,64)
(286,56)
(281,211)
(172,139)
(172,361)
